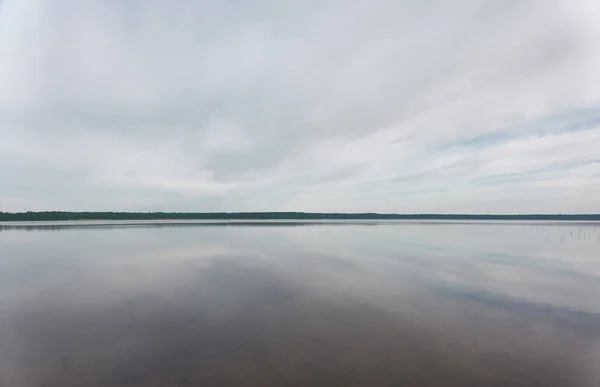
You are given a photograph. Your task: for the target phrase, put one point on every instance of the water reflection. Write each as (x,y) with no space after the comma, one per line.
(82,225)
(401,304)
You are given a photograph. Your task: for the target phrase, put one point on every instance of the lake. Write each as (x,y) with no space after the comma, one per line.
(365,303)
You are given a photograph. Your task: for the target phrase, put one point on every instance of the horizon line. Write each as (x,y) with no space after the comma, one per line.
(294,212)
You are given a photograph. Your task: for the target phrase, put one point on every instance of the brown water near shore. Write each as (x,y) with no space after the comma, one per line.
(390,304)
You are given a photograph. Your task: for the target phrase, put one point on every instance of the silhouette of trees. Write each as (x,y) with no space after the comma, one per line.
(64,216)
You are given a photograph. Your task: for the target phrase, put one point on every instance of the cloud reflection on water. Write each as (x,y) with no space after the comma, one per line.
(438,304)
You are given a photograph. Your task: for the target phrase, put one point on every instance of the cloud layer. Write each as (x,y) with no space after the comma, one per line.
(387,106)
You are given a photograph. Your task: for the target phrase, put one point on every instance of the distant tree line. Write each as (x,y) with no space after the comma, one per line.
(60,215)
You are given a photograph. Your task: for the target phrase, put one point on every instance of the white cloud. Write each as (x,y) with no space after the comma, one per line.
(470,106)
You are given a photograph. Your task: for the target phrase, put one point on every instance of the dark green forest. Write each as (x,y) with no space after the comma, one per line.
(60,215)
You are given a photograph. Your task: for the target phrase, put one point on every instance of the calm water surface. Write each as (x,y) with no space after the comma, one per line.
(362,304)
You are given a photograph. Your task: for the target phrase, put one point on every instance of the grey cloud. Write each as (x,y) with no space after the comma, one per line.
(262,105)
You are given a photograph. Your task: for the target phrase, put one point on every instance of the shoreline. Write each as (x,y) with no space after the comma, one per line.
(59,216)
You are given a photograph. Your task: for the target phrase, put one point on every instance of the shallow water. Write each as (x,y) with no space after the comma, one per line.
(271,304)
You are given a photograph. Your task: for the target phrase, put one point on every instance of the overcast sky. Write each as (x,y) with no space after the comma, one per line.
(414,106)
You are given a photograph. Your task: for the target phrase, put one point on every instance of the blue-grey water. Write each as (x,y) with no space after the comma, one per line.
(300,304)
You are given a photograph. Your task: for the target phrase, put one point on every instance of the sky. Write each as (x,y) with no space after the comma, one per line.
(405,106)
